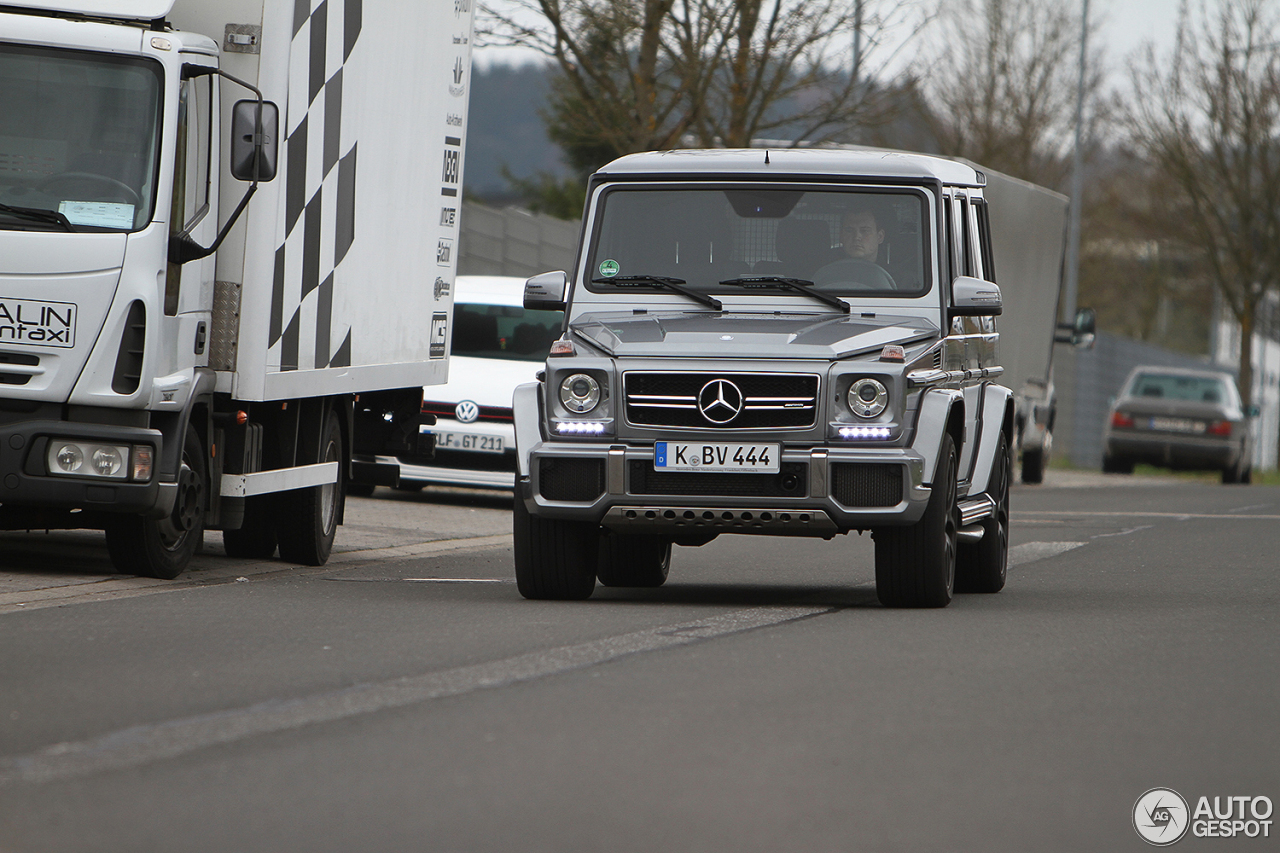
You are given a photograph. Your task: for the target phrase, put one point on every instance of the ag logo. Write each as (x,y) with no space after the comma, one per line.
(466,412)
(720,401)
(609,269)
(1160,816)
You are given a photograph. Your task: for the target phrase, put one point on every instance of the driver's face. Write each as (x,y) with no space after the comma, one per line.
(861,236)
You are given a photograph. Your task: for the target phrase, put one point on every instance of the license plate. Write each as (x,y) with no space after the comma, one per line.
(469,442)
(1177,425)
(716,457)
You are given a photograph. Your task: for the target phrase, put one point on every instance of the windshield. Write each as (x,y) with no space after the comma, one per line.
(846,242)
(1201,389)
(504,331)
(78,136)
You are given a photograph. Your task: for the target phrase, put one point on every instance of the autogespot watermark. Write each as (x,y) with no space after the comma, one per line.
(1162,816)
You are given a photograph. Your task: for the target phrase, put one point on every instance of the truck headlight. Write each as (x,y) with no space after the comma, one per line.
(579,393)
(76,458)
(868,398)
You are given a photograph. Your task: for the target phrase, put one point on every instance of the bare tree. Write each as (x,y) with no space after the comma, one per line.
(1003,90)
(650,75)
(1208,118)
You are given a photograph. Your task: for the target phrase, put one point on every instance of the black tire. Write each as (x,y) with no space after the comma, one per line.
(360,490)
(916,565)
(1033,464)
(633,560)
(307,519)
(983,566)
(256,539)
(554,559)
(1116,465)
(162,548)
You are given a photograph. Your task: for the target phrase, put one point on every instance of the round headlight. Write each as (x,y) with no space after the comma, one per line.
(70,458)
(107,461)
(868,398)
(579,393)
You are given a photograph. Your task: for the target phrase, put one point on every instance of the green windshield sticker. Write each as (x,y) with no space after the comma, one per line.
(609,269)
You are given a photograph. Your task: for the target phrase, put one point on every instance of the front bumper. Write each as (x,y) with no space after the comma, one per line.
(26,483)
(827,490)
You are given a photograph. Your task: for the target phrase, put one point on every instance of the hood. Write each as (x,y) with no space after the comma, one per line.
(741,335)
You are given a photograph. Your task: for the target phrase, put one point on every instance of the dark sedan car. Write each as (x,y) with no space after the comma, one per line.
(1180,419)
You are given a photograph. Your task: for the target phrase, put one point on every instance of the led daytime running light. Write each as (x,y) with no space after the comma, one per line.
(580,428)
(865,433)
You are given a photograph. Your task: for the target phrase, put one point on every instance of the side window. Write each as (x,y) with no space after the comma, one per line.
(984,239)
(190,171)
(949,249)
(965,241)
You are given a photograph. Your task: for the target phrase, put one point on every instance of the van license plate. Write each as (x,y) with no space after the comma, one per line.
(716,457)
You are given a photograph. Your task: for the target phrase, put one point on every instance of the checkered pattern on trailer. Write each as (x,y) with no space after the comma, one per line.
(320,190)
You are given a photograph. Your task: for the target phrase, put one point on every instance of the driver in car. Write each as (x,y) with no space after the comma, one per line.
(861,235)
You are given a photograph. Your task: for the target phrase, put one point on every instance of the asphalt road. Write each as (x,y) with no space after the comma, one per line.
(404,697)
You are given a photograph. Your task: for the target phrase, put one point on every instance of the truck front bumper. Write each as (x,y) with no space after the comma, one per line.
(820,491)
(25,481)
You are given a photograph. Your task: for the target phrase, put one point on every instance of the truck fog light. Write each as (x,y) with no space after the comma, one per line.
(142,463)
(69,458)
(107,461)
(579,393)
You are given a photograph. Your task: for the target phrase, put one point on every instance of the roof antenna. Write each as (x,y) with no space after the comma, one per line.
(766,156)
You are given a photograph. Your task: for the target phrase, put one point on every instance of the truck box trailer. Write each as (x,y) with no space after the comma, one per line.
(227,236)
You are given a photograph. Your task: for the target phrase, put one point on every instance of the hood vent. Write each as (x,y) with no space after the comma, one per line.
(9,376)
(129,360)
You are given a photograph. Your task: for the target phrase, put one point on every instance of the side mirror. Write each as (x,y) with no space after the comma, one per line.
(546,292)
(245,140)
(973,297)
(1081,332)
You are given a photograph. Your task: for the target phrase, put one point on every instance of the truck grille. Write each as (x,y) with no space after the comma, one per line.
(707,400)
(862,485)
(18,376)
(791,482)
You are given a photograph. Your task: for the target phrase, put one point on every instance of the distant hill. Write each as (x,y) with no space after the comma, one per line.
(504,128)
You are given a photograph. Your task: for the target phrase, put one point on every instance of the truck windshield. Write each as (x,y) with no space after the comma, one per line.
(842,242)
(78,137)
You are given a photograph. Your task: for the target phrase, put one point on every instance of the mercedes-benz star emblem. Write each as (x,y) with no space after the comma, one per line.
(466,412)
(720,401)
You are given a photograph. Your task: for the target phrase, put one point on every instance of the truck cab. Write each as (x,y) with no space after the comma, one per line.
(770,342)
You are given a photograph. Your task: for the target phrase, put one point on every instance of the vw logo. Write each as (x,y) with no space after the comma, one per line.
(720,401)
(466,412)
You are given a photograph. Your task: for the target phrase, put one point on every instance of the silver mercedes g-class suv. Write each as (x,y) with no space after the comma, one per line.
(776,342)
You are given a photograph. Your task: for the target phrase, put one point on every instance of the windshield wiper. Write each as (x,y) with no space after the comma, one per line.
(36,214)
(676,285)
(797,285)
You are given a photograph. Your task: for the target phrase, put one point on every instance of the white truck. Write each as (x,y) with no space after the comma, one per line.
(226,262)
(1022,215)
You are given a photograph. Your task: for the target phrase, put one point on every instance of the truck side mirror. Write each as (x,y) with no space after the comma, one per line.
(973,297)
(546,292)
(245,140)
(1081,332)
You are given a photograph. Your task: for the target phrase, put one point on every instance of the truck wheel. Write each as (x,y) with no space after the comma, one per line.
(360,490)
(256,539)
(307,518)
(1033,463)
(555,559)
(635,560)
(982,566)
(162,547)
(916,565)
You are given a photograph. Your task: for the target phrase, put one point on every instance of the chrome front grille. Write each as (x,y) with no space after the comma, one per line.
(712,400)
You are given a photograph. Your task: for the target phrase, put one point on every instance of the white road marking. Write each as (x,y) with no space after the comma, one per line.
(145,744)
(459,580)
(1081,513)
(1124,532)
(1029,552)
